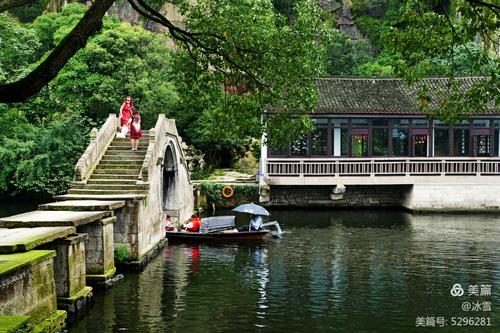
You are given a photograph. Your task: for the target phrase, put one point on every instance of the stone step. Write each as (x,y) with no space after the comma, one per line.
(127,143)
(105,182)
(117,171)
(120,163)
(119,196)
(142,140)
(121,159)
(112,187)
(126,148)
(54,218)
(113,176)
(83,205)
(118,166)
(125,153)
(105,192)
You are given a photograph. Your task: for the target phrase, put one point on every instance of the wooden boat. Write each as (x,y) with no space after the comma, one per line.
(220,236)
(221,229)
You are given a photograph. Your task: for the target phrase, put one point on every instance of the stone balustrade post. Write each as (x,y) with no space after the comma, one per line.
(93,135)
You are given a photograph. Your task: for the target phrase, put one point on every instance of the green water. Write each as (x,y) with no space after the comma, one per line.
(13,208)
(333,271)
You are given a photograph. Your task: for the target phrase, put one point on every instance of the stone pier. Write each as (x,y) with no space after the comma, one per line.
(28,292)
(97,224)
(71,291)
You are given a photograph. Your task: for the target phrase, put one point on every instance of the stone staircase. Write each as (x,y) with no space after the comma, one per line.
(117,171)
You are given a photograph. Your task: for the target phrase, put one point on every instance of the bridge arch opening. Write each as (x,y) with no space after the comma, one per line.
(170,183)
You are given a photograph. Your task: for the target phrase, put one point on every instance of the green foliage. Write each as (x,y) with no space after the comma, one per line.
(18,49)
(213,192)
(29,12)
(284,7)
(427,38)
(344,55)
(381,65)
(122,60)
(40,159)
(273,62)
(430,40)
(122,254)
(373,28)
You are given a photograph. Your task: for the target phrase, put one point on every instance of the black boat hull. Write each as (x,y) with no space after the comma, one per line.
(242,236)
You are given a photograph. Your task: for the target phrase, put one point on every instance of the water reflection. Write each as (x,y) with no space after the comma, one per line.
(335,271)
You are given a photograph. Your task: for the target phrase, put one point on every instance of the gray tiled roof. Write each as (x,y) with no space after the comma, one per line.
(381,95)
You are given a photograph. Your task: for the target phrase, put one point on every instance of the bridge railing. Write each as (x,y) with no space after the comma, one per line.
(425,166)
(164,129)
(99,141)
(156,141)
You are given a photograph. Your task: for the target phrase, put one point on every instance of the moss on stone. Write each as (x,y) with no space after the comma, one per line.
(13,261)
(51,324)
(86,291)
(29,238)
(102,277)
(12,324)
(54,322)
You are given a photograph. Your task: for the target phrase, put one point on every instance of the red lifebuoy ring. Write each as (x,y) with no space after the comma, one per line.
(227,192)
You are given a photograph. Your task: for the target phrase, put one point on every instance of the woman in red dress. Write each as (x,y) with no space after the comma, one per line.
(135,129)
(126,112)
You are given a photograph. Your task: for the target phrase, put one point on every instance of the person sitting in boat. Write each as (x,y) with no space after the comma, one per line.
(193,225)
(169,224)
(255,224)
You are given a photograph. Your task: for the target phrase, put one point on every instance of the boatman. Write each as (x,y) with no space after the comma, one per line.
(256,222)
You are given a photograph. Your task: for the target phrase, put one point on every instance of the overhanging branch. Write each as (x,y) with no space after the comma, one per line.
(197,39)
(31,84)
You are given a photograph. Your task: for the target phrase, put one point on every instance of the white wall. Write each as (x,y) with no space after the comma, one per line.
(449,197)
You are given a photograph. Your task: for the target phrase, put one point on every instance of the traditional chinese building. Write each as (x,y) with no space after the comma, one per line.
(374,132)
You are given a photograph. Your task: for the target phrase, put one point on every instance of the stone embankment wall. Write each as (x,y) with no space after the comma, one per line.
(417,198)
(354,196)
(454,198)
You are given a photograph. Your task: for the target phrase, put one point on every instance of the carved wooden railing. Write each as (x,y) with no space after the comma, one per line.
(158,137)
(99,142)
(425,166)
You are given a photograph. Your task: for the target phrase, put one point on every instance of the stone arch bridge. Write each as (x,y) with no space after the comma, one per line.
(153,180)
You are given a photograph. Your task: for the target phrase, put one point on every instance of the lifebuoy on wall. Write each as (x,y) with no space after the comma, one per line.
(227,192)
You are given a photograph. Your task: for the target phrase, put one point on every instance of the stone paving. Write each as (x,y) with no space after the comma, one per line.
(40,218)
(83,205)
(25,239)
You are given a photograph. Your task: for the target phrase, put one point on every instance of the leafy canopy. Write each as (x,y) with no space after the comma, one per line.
(273,62)
(432,38)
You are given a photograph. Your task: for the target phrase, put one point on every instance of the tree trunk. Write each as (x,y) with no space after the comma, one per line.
(32,83)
